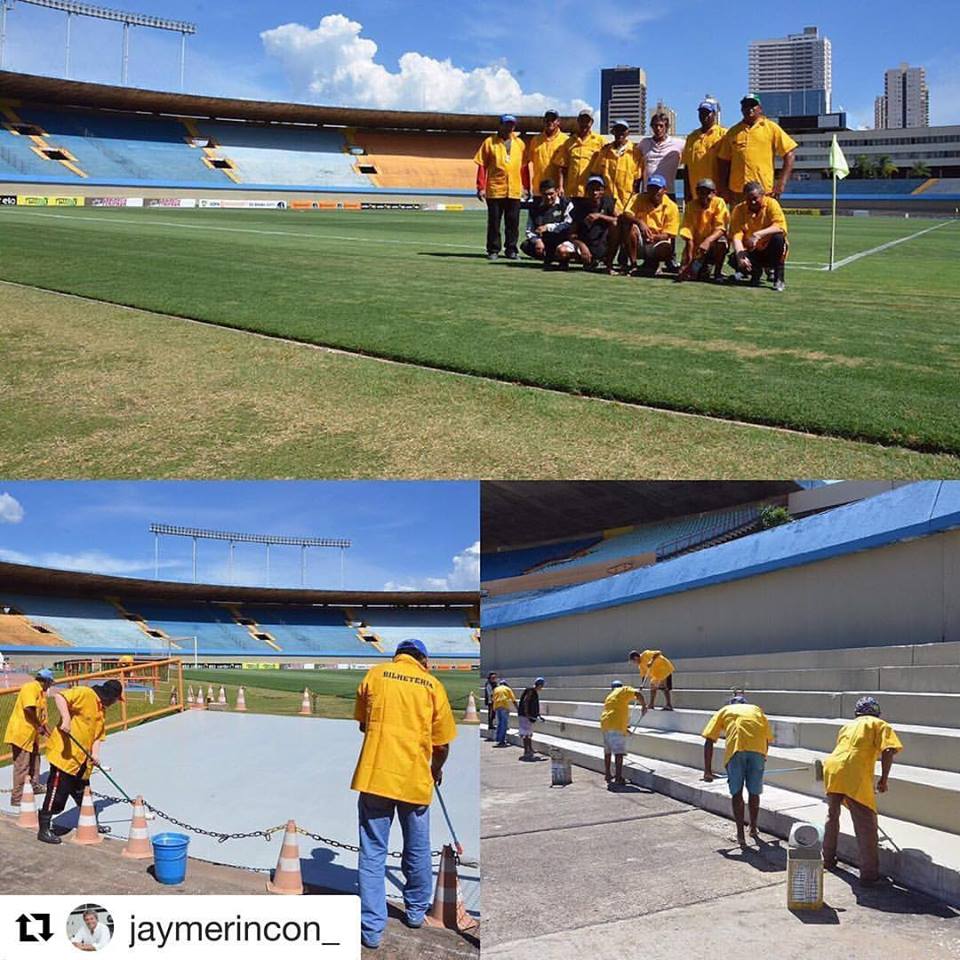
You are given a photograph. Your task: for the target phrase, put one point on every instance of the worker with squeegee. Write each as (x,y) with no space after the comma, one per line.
(747,736)
(407,726)
(73,748)
(614,722)
(656,668)
(848,781)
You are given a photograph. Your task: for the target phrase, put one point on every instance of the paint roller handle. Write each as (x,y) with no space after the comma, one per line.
(98,765)
(446,816)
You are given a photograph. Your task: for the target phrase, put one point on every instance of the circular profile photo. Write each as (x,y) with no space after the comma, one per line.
(89,927)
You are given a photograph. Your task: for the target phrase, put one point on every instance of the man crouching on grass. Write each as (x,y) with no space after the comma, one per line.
(758,229)
(614,723)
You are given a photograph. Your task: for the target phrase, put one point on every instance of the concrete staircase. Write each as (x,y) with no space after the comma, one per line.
(807,696)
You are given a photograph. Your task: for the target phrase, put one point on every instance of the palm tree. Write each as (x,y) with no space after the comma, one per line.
(920,170)
(862,168)
(886,168)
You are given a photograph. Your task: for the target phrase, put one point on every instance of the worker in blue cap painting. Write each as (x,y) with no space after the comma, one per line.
(25,728)
(407,726)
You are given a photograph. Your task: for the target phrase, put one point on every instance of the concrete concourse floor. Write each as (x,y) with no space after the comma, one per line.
(584,870)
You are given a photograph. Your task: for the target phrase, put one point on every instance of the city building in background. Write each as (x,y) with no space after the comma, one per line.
(792,74)
(623,96)
(905,101)
(661,107)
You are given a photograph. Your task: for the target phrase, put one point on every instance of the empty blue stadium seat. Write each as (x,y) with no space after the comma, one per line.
(320,631)
(878,188)
(213,626)
(446,633)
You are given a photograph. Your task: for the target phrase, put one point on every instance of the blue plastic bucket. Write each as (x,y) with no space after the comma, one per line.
(170,857)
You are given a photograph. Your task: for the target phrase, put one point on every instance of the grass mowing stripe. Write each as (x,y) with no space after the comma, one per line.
(868,354)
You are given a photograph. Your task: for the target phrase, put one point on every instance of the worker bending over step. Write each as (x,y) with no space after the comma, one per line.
(656,668)
(747,735)
(407,727)
(614,723)
(848,781)
(74,748)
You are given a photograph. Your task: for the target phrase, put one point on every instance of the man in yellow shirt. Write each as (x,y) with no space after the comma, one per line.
(656,668)
(407,726)
(542,152)
(576,155)
(700,157)
(748,151)
(848,781)
(504,700)
(758,232)
(614,723)
(747,734)
(705,223)
(620,165)
(500,183)
(74,748)
(27,724)
(648,229)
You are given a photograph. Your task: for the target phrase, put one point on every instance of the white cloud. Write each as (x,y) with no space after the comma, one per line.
(11,511)
(89,561)
(464,574)
(334,64)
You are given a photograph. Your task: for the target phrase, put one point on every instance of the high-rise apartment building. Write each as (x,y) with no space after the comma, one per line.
(661,107)
(623,96)
(906,99)
(792,74)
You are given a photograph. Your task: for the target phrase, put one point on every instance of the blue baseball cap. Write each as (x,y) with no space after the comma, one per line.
(540,680)
(738,698)
(656,180)
(615,683)
(405,646)
(44,674)
(619,123)
(508,118)
(710,105)
(596,178)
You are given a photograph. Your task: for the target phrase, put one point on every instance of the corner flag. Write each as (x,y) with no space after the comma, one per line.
(838,162)
(838,170)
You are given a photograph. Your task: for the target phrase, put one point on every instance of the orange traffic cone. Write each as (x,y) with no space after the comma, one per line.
(241,701)
(138,844)
(209,694)
(87,824)
(190,695)
(470,714)
(222,698)
(448,909)
(28,809)
(286,878)
(305,710)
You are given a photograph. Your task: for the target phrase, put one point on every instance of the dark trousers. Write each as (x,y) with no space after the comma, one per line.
(865,828)
(60,787)
(507,210)
(772,257)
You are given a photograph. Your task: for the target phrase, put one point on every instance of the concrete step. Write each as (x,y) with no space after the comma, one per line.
(935,747)
(917,857)
(930,798)
(943,678)
(928,709)
(906,655)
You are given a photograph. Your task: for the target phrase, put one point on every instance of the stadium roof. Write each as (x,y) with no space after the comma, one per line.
(54,91)
(19,578)
(516,513)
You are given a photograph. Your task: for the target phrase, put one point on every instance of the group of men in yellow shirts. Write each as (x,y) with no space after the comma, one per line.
(595,202)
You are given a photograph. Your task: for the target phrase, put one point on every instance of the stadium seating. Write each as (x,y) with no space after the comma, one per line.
(308,630)
(514,563)
(864,188)
(213,626)
(940,188)
(87,625)
(445,632)
(419,161)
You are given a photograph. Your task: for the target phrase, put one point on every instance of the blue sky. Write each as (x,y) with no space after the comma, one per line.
(405,535)
(501,54)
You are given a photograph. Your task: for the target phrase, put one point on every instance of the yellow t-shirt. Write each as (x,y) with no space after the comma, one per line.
(751,152)
(20,731)
(744,727)
(405,713)
(542,152)
(663,218)
(619,170)
(503,696)
(700,156)
(654,665)
(744,222)
(700,221)
(575,157)
(86,727)
(616,709)
(504,171)
(850,768)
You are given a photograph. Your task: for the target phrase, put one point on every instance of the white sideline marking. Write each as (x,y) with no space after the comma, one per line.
(274,233)
(883,246)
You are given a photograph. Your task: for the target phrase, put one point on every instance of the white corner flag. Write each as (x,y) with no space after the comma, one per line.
(838,170)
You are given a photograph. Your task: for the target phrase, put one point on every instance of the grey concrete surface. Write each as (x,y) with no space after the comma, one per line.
(585,871)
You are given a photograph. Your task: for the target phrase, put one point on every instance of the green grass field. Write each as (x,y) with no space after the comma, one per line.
(866,359)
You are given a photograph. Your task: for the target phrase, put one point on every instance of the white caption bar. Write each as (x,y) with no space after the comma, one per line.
(180,927)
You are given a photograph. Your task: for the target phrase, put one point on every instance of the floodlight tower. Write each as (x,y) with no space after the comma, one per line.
(73,8)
